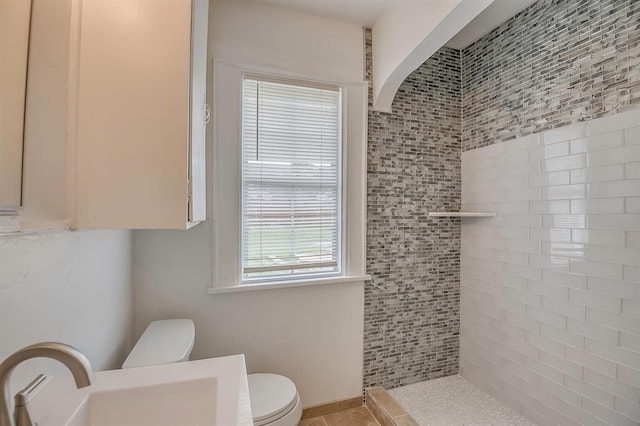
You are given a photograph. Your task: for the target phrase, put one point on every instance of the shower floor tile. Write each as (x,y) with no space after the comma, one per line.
(453,401)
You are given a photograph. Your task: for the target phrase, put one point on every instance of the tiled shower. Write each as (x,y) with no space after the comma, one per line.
(544,110)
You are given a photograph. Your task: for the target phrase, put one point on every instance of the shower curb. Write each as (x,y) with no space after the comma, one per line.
(386,410)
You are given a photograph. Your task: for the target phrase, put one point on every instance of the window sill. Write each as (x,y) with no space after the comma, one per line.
(288,284)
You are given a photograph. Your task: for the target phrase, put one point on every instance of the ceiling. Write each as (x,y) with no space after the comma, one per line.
(366,12)
(360,12)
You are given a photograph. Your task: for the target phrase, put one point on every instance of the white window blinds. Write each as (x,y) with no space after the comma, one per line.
(290,179)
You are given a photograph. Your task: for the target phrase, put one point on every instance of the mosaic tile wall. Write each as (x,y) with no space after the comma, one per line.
(412,302)
(555,63)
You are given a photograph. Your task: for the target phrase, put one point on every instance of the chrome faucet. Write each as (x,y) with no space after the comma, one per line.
(72,358)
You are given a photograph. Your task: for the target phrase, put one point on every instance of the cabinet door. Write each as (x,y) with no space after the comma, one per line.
(197,169)
(133,114)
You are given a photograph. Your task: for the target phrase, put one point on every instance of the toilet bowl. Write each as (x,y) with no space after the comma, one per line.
(274,398)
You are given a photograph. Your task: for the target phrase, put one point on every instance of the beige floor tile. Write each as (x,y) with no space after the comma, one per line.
(354,417)
(313,421)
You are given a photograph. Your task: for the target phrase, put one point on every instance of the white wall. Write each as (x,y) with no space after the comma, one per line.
(550,288)
(313,334)
(71,287)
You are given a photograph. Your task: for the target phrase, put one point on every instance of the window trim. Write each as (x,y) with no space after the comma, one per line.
(227,179)
(340,260)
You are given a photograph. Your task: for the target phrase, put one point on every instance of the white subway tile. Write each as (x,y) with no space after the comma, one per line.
(606,414)
(547,317)
(595,300)
(631,308)
(591,361)
(550,207)
(612,123)
(557,235)
(564,192)
(524,271)
(632,274)
(617,288)
(492,173)
(628,222)
(524,220)
(632,136)
(630,341)
(564,133)
(598,206)
(511,158)
(630,376)
(543,369)
(614,172)
(617,387)
(598,238)
(621,188)
(613,320)
(563,336)
(548,289)
(522,322)
(512,207)
(632,205)
(545,261)
(523,169)
(597,142)
(523,246)
(524,142)
(632,170)
(618,255)
(592,392)
(550,179)
(613,353)
(568,162)
(598,269)
(524,194)
(512,257)
(563,308)
(572,221)
(549,151)
(628,408)
(594,331)
(560,391)
(510,281)
(546,344)
(633,240)
(621,155)
(564,278)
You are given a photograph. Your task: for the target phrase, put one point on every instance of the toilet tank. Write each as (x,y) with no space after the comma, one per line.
(163,342)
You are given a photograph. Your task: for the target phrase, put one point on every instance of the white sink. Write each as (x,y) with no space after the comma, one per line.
(205,392)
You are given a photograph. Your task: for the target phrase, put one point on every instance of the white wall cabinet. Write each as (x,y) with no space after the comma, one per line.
(140,125)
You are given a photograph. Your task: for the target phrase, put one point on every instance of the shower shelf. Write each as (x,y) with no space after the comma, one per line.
(461,214)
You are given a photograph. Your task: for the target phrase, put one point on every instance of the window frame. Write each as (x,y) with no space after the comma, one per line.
(340,201)
(226,179)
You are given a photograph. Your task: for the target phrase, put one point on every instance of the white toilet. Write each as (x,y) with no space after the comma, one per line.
(274,399)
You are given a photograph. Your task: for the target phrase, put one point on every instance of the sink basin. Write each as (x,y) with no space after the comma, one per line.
(189,403)
(204,392)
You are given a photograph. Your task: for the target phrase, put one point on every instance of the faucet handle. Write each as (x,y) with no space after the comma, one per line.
(22,398)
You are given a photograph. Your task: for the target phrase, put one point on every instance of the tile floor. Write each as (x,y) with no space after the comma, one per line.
(453,401)
(359,416)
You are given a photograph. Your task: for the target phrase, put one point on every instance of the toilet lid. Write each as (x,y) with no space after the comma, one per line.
(270,395)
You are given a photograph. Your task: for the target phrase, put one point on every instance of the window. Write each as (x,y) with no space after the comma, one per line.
(291,186)
(288,179)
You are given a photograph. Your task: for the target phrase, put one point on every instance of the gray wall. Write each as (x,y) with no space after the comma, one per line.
(412,302)
(555,63)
